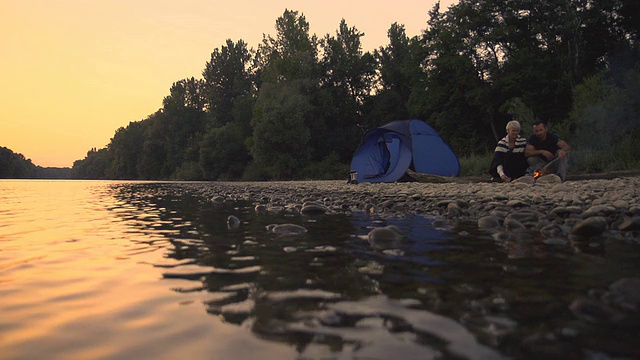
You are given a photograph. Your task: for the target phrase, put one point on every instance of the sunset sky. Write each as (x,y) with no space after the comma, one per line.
(74,71)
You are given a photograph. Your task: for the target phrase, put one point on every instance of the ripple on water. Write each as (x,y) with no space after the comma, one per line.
(134,269)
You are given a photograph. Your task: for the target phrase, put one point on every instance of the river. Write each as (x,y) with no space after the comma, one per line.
(154,270)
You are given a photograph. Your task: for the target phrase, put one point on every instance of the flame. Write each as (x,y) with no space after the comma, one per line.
(537,174)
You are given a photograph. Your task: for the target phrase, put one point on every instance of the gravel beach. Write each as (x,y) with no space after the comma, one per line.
(584,215)
(559,210)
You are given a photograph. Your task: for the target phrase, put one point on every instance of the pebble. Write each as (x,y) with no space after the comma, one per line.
(549,179)
(561,188)
(625,293)
(527,179)
(593,311)
(233,222)
(489,222)
(590,227)
(630,224)
(309,208)
(598,210)
(385,237)
(288,230)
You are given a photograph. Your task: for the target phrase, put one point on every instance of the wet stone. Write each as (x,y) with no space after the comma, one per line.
(489,222)
(443,203)
(388,204)
(516,203)
(288,230)
(630,224)
(217,199)
(513,224)
(454,209)
(564,211)
(625,293)
(313,209)
(233,222)
(552,231)
(554,241)
(594,311)
(525,215)
(598,210)
(369,208)
(590,227)
(385,237)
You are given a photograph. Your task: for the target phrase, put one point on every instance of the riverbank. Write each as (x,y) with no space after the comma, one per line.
(581,208)
(582,216)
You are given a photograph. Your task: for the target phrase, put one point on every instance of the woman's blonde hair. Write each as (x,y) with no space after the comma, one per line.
(513,124)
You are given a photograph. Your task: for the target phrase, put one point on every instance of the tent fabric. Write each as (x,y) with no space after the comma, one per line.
(386,153)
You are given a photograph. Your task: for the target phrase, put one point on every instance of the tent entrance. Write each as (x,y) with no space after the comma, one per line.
(383,159)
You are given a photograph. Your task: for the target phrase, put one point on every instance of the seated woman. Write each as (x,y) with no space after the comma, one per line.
(508,161)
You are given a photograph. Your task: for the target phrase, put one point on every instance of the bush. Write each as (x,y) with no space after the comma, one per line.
(475,164)
(189,170)
(623,156)
(330,168)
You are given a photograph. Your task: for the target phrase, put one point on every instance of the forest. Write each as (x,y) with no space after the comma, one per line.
(297,106)
(16,166)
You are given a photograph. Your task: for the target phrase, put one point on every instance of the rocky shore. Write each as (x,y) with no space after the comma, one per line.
(582,214)
(560,211)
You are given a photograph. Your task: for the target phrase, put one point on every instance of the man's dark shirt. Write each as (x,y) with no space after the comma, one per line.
(550,143)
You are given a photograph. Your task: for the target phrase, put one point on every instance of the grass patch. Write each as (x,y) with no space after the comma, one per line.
(624,156)
(475,164)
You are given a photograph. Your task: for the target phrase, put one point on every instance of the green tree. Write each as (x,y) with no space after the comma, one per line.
(280,136)
(15,166)
(291,55)
(182,122)
(347,82)
(224,154)
(453,96)
(227,77)
(124,148)
(400,71)
(288,69)
(94,166)
(230,93)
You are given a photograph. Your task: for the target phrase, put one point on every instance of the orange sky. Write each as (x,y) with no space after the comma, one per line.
(73,71)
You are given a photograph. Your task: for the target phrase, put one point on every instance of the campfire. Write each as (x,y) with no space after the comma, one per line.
(538,173)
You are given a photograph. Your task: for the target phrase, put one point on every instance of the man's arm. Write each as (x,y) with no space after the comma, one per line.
(564,148)
(530,151)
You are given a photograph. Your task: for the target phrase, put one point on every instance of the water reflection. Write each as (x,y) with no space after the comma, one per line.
(441,292)
(298,289)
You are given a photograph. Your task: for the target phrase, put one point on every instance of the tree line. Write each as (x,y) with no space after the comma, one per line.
(297,106)
(16,166)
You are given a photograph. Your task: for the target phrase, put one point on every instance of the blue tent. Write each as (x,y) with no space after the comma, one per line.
(387,152)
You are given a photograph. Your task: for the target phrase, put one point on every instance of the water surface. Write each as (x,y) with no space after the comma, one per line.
(114,270)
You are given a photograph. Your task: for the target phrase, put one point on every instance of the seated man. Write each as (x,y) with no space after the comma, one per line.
(547,149)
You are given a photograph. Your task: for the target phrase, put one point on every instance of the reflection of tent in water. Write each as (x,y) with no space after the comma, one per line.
(387,152)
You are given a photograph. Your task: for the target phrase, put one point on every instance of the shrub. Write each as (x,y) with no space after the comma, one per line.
(475,164)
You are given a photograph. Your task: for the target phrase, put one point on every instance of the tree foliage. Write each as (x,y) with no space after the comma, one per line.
(299,104)
(15,166)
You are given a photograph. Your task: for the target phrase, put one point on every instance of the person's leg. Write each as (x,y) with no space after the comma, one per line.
(536,163)
(562,166)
